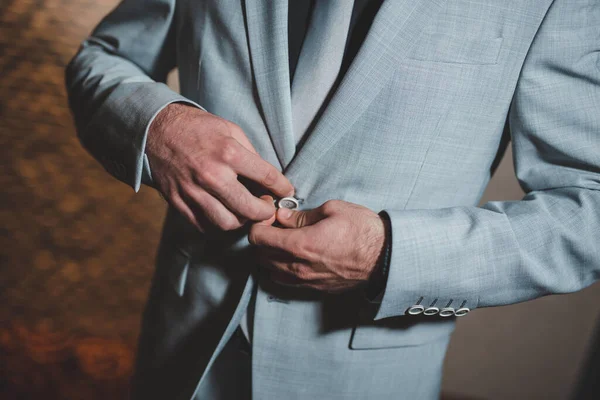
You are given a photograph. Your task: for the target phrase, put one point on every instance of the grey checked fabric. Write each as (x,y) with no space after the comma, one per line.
(413,129)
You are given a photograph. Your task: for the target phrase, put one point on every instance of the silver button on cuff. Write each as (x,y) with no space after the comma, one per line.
(431,311)
(416,310)
(447,312)
(462,312)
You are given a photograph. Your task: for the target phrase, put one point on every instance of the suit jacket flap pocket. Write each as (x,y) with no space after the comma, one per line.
(456,48)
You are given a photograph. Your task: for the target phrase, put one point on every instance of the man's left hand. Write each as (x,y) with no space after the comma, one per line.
(332,248)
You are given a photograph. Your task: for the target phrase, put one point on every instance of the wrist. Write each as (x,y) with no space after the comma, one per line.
(168,118)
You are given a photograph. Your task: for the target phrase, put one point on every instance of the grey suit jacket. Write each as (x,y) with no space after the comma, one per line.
(413,129)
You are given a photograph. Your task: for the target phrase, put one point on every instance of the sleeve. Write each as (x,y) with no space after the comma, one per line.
(504,252)
(115,85)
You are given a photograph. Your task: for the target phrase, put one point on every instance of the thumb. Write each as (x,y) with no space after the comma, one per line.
(298,219)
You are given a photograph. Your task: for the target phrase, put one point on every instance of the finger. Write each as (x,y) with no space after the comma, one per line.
(285,279)
(187,212)
(238,134)
(203,203)
(298,272)
(332,287)
(278,260)
(298,219)
(237,198)
(297,269)
(271,220)
(243,140)
(269,255)
(287,240)
(253,167)
(282,264)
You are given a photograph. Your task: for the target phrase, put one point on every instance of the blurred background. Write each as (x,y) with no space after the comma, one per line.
(77,250)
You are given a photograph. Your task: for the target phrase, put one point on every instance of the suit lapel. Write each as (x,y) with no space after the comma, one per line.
(268,42)
(393,31)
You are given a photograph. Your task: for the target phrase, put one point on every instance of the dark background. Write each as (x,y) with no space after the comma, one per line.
(77,246)
(77,249)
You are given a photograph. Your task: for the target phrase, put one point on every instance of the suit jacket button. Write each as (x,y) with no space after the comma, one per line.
(447,312)
(415,310)
(462,311)
(431,311)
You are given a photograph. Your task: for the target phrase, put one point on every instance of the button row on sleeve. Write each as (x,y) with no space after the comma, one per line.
(444,312)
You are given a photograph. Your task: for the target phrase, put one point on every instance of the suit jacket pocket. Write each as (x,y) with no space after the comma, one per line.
(455,48)
(401,331)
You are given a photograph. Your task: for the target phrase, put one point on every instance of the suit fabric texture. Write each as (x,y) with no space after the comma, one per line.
(414,128)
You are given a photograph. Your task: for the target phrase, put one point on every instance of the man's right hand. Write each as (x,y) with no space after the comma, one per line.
(196,158)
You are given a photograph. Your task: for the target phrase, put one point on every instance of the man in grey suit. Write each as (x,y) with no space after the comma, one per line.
(355,293)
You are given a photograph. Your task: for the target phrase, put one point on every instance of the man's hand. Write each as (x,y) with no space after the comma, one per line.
(196,158)
(332,248)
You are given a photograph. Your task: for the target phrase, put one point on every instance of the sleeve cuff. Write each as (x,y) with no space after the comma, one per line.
(376,285)
(146,173)
(116,136)
(425,275)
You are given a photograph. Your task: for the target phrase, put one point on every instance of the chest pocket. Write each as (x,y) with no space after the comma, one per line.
(450,48)
(461,34)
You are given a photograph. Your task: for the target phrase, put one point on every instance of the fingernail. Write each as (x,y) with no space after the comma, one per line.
(285,213)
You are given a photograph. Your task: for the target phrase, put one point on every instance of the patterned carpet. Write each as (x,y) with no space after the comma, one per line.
(76,246)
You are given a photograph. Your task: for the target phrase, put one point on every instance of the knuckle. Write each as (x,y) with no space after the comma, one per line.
(286,243)
(212,177)
(233,127)
(170,194)
(201,166)
(314,286)
(255,214)
(298,248)
(329,206)
(270,177)
(229,151)
(300,272)
(250,209)
(345,274)
(299,244)
(228,224)
(253,236)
